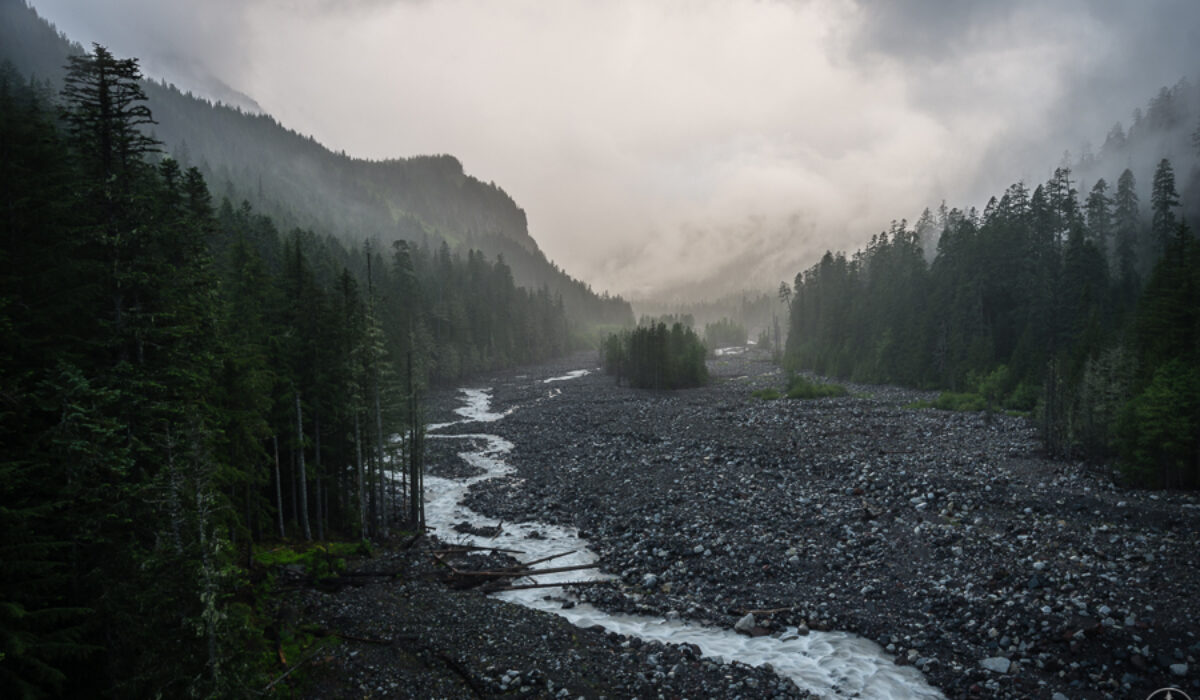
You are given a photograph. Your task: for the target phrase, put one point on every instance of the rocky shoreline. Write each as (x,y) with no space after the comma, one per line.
(409,635)
(945,537)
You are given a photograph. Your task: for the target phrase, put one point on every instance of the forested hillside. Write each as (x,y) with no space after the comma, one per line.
(1079,302)
(180,381)
(1166,128)
(426,200)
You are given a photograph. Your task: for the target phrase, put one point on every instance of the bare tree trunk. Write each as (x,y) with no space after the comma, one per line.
(373,490)
(379,457)
(402,452)
(419,469)
(320,514)
(295,489)
(317,475)
(303,472)
(358,463)
(343,487)
(416,492)
(278,487)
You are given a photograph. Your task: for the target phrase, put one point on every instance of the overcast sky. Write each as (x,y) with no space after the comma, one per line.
(652,141)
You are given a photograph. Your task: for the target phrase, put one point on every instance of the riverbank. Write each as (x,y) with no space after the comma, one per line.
(408,635)
(945,537)
(401,626)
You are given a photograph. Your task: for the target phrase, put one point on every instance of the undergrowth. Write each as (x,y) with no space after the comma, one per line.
(799,387)
(288,644)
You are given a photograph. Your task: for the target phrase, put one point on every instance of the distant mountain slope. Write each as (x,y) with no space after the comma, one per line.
(299,182)
(1168,127)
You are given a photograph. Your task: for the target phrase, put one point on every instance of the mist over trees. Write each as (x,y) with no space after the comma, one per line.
(182,380)
(724,333)
(1084,310)
(1168,126)
(756,311)
(426,200)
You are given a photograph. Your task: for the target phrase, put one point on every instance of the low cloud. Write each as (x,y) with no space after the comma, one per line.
(656,143)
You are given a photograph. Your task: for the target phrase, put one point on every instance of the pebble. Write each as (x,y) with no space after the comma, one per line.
(822,496)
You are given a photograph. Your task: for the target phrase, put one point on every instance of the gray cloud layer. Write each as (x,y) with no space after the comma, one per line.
(653,142)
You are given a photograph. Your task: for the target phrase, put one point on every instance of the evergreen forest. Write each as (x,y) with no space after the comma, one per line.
(218,337)
(182,381)
(247,155)
(1082,310)
(655,356)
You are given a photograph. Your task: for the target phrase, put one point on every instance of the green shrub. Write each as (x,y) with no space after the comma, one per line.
(801,388)
(1159,429)
(952,401)
(768,394)
(1023,398)
(319,561)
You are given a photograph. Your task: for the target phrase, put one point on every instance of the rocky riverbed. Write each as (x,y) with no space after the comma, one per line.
(409,635)
(945,537)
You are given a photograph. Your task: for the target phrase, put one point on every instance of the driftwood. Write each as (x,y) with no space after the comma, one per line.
(546,559)
(311,655)
(497,588)
(769,611)
(502,579)
(522,572)
(463,548)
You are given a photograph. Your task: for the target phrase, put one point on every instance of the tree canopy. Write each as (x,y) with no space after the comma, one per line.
(1037,303)
(182,382)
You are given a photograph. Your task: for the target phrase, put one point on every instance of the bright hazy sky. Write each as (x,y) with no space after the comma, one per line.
(649,141)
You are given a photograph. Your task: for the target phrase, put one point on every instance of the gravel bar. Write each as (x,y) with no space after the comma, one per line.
(948,538)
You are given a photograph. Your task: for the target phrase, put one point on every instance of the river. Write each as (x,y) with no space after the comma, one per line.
(830,664)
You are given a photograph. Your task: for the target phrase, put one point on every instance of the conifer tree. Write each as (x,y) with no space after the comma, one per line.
(1163,201)
(1099,215)
(1126,222)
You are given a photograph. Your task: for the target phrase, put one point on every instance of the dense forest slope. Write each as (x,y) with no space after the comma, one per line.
(181,383)
(1168,127)
(188,384)
(1077,300)
(300,183)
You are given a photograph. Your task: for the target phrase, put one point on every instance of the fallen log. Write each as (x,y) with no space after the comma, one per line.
(546,559)
(461,549)
(769,611)
(519,573)
(492,578)
(493,589)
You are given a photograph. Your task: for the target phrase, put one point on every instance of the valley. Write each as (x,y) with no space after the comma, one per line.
(944,537)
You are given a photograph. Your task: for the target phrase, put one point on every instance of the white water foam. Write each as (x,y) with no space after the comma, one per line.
(573,374)
(830,664)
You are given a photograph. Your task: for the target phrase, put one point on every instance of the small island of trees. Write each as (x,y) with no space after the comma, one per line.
(653,357)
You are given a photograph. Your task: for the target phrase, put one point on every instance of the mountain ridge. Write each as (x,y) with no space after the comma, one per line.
(299,182)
